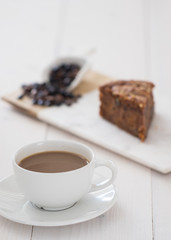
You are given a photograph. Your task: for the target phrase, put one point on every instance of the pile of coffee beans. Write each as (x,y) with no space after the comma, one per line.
(53,92)
(63,75)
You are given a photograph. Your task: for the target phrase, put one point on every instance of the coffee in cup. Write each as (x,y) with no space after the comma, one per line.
(53,162)
(54,175)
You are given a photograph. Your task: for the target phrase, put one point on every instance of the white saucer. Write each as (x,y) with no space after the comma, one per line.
(15,207)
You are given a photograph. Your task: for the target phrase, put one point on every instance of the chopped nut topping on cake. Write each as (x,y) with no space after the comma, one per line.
(129,105)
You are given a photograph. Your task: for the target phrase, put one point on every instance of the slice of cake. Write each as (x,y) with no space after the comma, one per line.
(129,105)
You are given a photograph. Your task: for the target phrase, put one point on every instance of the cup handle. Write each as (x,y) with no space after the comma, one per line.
(109,164)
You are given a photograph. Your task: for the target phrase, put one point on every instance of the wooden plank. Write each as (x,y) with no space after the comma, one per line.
(121,54)
(160,58)
(161,196)
(114,29)
(29,34)
(91,81)
(131,213)
(16,130)
(14,231)
(29,41)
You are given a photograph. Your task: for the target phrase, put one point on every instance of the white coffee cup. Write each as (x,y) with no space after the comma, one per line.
(57,191)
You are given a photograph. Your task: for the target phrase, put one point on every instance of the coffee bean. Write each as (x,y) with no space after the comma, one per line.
(21,96)
(67,81)
(57,103)
(34,101)
(40,101)
(44,93)
(58,98)
(54,91)
(33,92)
(35,85)
(51,90)
(47,103)
(40,94)
(68,102)
(68,94)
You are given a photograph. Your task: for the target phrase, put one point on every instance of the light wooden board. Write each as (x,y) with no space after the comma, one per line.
(91,81)
(160,58)
(83,120)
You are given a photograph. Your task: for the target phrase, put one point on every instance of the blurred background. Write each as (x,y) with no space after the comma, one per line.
(129,39)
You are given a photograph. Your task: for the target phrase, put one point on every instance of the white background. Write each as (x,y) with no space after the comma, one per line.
(132,41)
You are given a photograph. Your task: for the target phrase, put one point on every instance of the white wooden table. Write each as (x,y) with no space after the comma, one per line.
(132,40)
